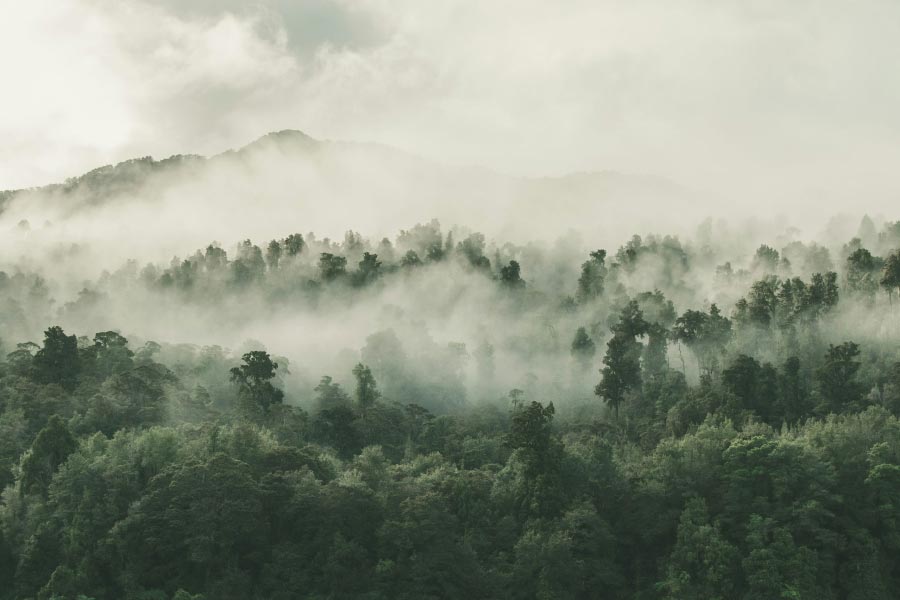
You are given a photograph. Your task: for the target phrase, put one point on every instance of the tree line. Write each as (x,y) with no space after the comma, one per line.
(749,450)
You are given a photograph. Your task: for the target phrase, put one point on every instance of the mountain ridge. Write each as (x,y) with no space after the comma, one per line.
(290,179)
(295,139)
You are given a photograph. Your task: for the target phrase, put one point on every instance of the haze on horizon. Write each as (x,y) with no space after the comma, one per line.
(788,105)
(405,299)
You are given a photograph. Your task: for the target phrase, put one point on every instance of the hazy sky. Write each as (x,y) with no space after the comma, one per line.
(759,95)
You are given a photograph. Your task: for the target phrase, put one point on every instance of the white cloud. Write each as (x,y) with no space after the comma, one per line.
(762,96)
(94,82)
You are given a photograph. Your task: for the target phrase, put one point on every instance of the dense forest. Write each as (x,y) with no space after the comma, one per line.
(444,416)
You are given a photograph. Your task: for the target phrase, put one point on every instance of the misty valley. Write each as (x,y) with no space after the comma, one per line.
(440,412)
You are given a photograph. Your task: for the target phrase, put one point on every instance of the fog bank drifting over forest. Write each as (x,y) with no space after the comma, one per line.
(180,251)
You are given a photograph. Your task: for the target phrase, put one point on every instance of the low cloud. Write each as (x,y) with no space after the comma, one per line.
(758,102)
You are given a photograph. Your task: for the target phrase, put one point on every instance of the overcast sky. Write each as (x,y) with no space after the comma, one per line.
(763,95)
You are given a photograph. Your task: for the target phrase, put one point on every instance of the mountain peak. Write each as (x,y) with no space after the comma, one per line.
(286,138)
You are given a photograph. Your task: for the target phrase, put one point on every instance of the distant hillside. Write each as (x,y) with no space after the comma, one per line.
(109,181)
(291,171)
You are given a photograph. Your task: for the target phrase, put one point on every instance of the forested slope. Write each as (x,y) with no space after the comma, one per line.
(671,419)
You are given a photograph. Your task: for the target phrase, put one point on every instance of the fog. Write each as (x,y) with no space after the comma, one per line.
(372,299)
(127,248)
(781,106)
(707,129)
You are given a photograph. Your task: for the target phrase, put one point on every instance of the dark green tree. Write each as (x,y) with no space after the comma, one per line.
(52,446)
(705,334)
(410,259)
(111,354)
(583,348)
(754,385)
(540,455)
(249,266)
(200,525)
(890,274)
(622,370)
(426,553)
(332,267)
(863,272)
(294,244)
(654,361)
(21,360)
(334,423)
(273,254)
(369,270)
(793,397)
(823,292)
(367,393)
(254,380)
(762,302)
(838,386)
(472,249)
(703,565)
(531,430)
(774,566)
(57,361)
(593,276)
(766,259)
(510,275)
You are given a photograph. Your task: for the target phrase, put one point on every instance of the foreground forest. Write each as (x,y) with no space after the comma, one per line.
(666,419)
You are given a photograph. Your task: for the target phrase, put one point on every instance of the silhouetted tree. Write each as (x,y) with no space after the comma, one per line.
(254,381)
(510,275)
(332,267)
(593,276)
(583,348)
(838,385)
(366,388)
(57,360)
